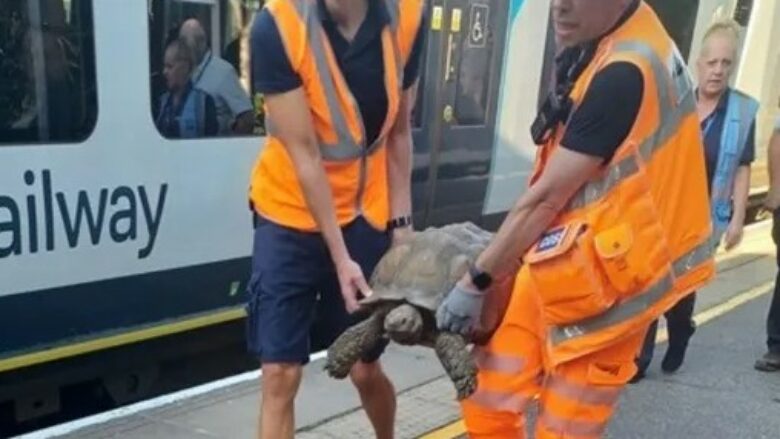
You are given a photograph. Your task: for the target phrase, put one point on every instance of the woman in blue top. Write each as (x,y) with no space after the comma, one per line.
(728,128)
(185,111)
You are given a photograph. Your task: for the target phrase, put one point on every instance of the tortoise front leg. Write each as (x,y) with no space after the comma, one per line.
(457,361)
(347,349)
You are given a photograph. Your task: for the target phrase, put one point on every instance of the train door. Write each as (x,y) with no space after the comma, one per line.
(455,116)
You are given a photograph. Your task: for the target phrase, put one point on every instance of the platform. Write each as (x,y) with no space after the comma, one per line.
(717,393)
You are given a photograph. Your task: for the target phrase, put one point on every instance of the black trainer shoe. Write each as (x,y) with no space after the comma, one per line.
(638,376)
(770,362)
(675,354)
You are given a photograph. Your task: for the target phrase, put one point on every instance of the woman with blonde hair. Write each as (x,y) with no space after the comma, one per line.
(727,119)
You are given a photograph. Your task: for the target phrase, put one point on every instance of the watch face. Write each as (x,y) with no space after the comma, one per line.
(480,279)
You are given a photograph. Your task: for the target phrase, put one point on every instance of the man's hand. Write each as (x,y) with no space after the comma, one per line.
(461,310)
(733,234)
(352,281)
(401,235)
(772,200)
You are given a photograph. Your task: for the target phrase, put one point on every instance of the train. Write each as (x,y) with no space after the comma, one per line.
(113,235)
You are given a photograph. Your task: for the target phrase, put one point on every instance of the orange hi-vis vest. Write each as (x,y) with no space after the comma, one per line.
(356,172)
(635,239)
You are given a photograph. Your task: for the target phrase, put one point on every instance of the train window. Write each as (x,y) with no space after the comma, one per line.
(47,71)
(742,12)
(200,69)
(679,18)
(471,96)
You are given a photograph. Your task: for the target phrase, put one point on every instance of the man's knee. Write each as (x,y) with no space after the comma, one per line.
(281,380)
(483,422)
(366,375)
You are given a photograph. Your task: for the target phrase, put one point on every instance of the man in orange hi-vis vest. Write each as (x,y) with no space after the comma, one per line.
(331,188)
(613,230)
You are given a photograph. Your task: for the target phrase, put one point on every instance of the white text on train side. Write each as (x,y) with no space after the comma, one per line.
(116,209)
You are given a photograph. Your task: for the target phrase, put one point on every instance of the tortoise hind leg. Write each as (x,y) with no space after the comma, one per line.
(457,361)
(347,349)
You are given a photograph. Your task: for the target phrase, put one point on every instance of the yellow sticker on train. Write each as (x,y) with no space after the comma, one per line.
(438,11)
(455,23)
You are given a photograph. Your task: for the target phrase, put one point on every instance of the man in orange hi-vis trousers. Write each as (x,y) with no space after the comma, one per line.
(612,231)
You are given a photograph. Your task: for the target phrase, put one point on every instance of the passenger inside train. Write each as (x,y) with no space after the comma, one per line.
(185,111)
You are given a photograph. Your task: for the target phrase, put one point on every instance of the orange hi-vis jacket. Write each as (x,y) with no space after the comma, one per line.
(356,172)
(636,239)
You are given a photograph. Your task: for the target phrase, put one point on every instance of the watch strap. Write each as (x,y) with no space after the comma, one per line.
(399,222)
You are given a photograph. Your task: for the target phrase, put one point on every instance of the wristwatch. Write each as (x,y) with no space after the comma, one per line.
(399,222)
(480,279)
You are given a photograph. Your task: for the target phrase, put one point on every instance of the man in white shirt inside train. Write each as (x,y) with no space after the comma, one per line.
(218,78)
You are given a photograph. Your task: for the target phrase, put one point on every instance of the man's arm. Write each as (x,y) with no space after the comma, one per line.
(740,191)
(399,157)
(212,124)
(741,188)
(773,197)
(238,102)
(245,123)
(399,142)
(296,133)
(595,131)
(566,172)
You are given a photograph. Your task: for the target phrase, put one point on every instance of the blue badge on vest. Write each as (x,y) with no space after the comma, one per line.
(551,239)
(723,211)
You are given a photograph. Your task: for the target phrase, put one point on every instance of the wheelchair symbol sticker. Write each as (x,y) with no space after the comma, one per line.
(478,25)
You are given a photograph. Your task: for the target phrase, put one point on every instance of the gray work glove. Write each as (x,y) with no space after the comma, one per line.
(461,311)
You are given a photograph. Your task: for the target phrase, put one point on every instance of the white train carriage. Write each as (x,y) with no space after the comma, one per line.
(112,234)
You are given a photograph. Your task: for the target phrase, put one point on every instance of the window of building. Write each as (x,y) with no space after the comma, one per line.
(48,91)
(200,78)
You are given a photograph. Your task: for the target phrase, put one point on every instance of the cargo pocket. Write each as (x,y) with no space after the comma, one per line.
(563,268)
(252,311)
(613,374)
(612,248)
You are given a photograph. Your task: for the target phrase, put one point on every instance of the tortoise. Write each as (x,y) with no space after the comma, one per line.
(409,283)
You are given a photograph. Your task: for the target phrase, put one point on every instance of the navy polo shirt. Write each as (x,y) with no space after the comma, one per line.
(712,138)
(360,61)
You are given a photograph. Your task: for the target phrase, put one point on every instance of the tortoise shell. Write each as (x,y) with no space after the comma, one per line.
(424,269)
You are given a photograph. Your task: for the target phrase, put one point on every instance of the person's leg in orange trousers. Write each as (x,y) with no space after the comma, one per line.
(576,399)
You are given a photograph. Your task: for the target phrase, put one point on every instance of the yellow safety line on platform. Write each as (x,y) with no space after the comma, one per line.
(450,431)
(457,428)
(119,339)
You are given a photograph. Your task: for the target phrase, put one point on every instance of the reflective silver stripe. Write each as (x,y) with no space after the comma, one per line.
(490,361)
(694,258)
(393,13)
(631,308)
(596,189)
(346,148)
(500,400)
(583,393)
(615,315)
(564,427)
(670,116)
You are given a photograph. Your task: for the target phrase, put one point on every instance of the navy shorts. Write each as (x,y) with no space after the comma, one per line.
(293,281)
